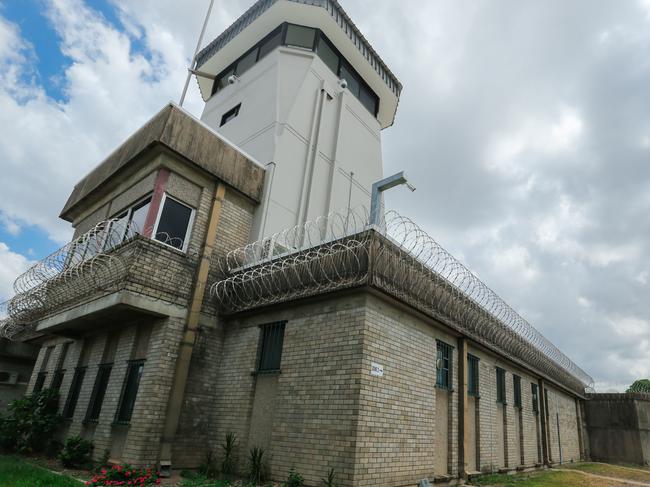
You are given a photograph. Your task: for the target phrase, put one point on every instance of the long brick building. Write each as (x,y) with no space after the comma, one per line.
(221,281)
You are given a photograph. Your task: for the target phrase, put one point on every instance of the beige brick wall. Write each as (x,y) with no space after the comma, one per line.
(562,406)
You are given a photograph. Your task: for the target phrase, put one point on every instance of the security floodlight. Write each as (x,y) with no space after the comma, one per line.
(381,186)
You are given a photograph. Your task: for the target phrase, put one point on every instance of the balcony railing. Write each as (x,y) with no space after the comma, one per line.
(111,257)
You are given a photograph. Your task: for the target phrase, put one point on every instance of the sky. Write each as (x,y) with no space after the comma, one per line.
(525,125)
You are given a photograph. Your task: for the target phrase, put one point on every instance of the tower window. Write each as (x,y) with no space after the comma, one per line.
(501,385)
(443,365)
(472,375)
(270,355)
(299,36)
(229,115)
(327,53)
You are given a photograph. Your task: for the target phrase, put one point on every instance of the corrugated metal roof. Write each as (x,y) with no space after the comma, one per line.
(339,16)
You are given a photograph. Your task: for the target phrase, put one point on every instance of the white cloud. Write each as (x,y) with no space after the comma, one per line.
(11,265)
(515,261)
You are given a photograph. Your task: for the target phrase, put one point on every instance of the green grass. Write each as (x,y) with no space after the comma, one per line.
(543,479)
(15,472)
(614,471)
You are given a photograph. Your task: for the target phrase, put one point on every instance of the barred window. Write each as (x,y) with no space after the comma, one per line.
(443,365)
(73,394)
(99,391)
(40,380)
(533,390)
(516,382)
(270,354)
(501,385)
(129,391)
(472,375)
(59,373)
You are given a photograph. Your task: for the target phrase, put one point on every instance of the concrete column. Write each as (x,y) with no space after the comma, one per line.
(542,416)
(463,419)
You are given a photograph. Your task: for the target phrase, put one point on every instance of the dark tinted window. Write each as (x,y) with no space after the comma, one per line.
(129,391)
(516,382)
(229,115)
(173,224)
(472,375)
(40,381)
(535,398)
(73,394)
(99,391)
(300,36)
(443,365)
(501,385)
(353,83)
(247,61)
(271,347)
(368,100)
(328,55)
(271,43)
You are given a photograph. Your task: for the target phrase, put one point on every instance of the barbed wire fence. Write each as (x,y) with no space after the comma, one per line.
(339,251)
(98,261)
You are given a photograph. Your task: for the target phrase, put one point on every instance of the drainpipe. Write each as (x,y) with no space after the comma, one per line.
(312,152)
(186,348)
(335,153)
(267,202)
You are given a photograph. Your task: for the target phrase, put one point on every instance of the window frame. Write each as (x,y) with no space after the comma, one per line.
(473,386)
(231,114)
(132,365)
(501,386)
(534,391)
(516,386)
(94,403)
(73,393)
(190,223)
(261,349)
(128,212)
(444,347)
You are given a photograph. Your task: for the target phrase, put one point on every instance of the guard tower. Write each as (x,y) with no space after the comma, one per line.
(297,86)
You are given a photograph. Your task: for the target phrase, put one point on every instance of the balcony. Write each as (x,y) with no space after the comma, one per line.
(109,274)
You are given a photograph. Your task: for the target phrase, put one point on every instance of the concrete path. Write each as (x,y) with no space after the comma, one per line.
(602,477)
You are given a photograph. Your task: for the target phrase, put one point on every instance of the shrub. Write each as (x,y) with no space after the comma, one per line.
(209,467)
(31,423)
(256,466)
(228,463)
(330,481)
(124,475)
(77,453)
(294,479)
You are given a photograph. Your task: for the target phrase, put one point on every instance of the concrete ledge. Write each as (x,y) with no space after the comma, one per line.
(121,304)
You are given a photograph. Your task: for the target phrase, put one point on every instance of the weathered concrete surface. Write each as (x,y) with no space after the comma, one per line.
(177,130)
(619,427)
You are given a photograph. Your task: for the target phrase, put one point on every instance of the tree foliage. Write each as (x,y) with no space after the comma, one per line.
(641,385)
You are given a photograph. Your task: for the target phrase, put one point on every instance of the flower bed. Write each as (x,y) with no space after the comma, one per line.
(124,475)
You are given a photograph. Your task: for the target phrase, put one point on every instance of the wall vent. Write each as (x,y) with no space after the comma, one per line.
(8,378)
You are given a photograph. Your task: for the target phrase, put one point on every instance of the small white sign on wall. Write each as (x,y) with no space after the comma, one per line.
(376,369)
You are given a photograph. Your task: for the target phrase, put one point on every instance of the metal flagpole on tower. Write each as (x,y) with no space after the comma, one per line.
(190,70)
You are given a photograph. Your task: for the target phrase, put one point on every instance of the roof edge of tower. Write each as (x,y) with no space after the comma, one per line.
(338,14)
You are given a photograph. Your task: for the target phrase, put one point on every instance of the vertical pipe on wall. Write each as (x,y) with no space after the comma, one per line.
(463,410)
(542,416)
(186,347)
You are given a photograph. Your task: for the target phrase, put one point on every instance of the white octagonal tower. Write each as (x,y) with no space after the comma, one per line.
(297,86)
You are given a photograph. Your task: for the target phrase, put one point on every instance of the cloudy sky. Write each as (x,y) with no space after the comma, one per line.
(525,125)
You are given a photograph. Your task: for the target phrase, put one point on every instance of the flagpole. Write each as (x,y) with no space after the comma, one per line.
(196,51)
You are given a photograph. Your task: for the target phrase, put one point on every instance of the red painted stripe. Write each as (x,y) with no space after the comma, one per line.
(158,192)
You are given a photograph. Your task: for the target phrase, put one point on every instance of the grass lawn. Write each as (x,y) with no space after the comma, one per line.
(15,472)
(546,478)
(607,470)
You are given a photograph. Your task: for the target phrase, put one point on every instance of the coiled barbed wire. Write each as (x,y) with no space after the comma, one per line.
(98,261)
(337,251)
